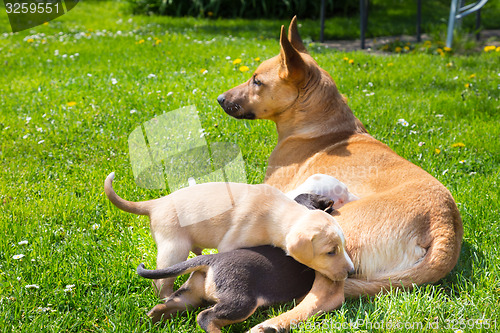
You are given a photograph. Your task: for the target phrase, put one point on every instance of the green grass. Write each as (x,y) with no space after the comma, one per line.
(54,158)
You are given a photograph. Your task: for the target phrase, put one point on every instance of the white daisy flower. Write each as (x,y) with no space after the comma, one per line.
(69,288)
(32,286)
(18,256)
(403,122)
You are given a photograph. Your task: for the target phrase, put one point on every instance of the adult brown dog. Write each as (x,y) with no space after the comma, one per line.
(405,229)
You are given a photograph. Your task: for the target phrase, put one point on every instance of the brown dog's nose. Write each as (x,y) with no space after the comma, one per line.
(221,99)
(351,272)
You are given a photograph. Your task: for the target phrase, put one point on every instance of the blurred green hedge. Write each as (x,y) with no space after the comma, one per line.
(244,8)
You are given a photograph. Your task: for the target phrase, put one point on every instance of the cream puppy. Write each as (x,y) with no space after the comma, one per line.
(327,186)
(228,216)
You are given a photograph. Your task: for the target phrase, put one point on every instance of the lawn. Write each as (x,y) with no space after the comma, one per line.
(72,91)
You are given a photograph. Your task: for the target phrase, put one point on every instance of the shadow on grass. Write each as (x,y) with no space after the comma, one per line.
(464,272)
(385,19)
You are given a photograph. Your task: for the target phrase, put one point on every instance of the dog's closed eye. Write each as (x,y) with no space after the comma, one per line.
(333,252)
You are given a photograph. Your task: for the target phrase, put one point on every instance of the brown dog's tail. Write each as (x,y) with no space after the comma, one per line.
(139,208)
(441,257)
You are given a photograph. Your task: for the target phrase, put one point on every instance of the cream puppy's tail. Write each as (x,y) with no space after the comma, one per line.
(139,208)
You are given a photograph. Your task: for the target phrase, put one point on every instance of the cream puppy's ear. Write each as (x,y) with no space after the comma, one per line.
(299,245)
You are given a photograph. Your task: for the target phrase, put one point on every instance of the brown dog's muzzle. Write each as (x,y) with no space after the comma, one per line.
(234,109)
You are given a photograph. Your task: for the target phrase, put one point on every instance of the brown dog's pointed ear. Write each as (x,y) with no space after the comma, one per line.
(292,66)
(294,37)
(299,245)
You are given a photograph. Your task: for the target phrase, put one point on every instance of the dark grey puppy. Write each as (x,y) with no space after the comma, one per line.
(237,282)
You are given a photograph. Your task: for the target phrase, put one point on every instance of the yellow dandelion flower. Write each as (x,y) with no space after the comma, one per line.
(458,144)
(346,59)
(236,61)
(407,48)
(256,59)
(440,51)
(351,61)
(158,41)
(390,64)
(244,68)
(71,103)
(498,49)
(447,49)
(30,40)
(203,71)
(140,42)
(437,150)
(398,49)
(450,64)
(472,76)
(45,23)
(489,48)
(467,85)
(427,43)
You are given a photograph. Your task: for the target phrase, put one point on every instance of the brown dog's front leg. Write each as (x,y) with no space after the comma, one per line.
(325,295)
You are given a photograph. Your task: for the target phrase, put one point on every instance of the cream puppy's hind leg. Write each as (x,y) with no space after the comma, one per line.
(170,252)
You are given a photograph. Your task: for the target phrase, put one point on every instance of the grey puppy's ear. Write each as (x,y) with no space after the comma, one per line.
(329,208)
(315,201)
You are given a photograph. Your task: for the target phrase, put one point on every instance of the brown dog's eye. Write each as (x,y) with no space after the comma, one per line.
(256,82)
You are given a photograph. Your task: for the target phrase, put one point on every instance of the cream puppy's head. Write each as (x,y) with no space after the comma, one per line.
(318,242)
